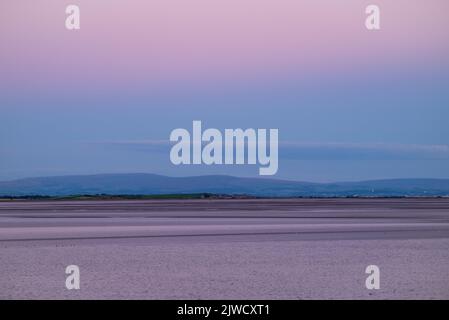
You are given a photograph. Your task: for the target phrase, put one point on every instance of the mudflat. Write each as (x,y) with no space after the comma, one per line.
(225,249)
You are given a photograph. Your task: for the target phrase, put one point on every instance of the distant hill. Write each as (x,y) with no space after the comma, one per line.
(151,184)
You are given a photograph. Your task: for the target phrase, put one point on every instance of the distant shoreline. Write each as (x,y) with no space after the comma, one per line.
(194,196)
(152,186)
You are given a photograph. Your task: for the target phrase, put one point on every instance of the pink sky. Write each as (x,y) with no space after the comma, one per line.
(139,68)
(141,43)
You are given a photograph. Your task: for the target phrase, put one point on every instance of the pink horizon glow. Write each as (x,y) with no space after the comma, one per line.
(142,43)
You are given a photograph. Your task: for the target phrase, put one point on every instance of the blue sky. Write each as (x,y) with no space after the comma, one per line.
(348,129)
(349,104)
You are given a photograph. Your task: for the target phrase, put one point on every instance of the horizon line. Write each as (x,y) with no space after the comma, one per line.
(216,175)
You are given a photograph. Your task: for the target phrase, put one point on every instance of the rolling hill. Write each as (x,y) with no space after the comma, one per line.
(145,184)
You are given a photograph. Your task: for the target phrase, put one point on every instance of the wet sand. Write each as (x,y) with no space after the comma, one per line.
(225,249)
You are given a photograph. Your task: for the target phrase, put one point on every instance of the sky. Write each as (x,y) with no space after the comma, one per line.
(349,103)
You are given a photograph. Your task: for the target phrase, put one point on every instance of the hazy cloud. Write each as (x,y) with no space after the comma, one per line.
(320,150)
